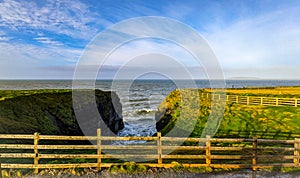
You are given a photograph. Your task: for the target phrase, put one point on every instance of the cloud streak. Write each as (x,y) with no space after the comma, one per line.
(63,17)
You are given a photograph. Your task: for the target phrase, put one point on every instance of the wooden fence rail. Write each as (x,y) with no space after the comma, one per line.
(159,151)
(254,100)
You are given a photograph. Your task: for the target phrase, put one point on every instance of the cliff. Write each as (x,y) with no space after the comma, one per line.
(51,112)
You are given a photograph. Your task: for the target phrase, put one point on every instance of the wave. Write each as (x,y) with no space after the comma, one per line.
(138,100)
(139,113)
(146,111)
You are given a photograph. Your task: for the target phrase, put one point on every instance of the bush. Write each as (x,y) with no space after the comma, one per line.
(177,166)
(113,169)
(130,167)
(141,168)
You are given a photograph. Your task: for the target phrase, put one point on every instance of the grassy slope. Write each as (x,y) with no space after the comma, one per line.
(238,120)
(43,111)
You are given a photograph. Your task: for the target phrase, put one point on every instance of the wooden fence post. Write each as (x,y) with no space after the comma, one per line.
(207,151)
(227,98)
(277,102)
(36,153)
(254,153)
(159,149)
(248,100)
(99,149)
(296,102)
(296,152)
(261,100)
(237,99)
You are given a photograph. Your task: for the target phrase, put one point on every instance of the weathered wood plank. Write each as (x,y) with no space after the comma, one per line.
(159,148)
(129,138)
(48,166)
(183,147)
(129,147)
(17,136)
(184,156)
(99,149)
(16,146)
(57,137)
(17,155)
(67,147)
(36,153)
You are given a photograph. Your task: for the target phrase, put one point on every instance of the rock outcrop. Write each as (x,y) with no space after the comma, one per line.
(53,113)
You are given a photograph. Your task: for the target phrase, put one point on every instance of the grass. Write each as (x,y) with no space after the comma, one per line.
(281,92)
(6,94)
(48,111)
(237,120)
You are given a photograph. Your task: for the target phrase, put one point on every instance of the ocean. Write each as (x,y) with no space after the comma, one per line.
(139,98)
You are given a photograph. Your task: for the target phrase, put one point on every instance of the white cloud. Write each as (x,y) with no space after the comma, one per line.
(48,41)
(28,61)
(269,41)
(61,17)
(4,37)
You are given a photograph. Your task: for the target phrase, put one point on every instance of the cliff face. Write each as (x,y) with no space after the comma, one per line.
(53,113)
(179,111)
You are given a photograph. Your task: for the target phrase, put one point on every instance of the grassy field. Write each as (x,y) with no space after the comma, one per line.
(6,94)
(238,120)
(281,92)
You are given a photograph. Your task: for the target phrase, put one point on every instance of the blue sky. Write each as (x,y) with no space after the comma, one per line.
(45,39)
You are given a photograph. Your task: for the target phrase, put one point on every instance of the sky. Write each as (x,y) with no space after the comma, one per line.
(250,39)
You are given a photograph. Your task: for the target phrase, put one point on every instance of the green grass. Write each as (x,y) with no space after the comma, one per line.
(280,92)
(48,111)
(238,120)
(43,111)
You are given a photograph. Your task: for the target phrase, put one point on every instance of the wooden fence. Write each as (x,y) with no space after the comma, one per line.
(197,152)
(254,100)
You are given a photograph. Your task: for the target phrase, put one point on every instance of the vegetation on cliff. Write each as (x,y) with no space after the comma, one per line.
(49,111)
(244,121)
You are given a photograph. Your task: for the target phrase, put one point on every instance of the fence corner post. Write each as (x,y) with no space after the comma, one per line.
(296,152)
(207,151)
(254,153)
(159,149)
(99,148)
(36,153)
